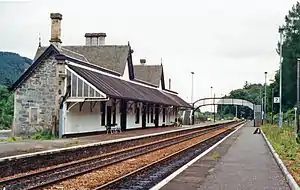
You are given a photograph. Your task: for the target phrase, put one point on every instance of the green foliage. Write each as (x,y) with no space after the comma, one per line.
(12,65)
(202,116)
(290,53)
(43,135)
(14,139)
(6,108)
(215,155)
(11,139)
(250,92)
(284,142)
(73,143)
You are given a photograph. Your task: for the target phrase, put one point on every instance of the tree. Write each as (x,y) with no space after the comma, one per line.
(250,92)
(6,108)
(290,53)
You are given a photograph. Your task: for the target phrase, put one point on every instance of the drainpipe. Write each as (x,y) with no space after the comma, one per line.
(61,105)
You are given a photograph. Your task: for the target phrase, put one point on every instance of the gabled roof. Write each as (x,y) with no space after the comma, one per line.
(43,54)
(110,57)
(118,88)
(148,73)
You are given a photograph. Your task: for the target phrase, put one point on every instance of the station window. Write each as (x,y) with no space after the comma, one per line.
(164,114)
(102,113)
(152,119)
(137,114)
(148,115)
(115,112)
(33,115)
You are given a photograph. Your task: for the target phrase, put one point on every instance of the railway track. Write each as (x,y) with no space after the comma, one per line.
(151,174)
(50,175)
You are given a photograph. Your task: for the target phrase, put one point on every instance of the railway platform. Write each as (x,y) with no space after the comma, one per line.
(31,146)
(242,161)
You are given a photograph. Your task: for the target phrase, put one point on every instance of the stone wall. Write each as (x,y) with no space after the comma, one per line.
(38,92)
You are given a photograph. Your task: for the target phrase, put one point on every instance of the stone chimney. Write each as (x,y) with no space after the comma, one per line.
(143,61)
(56,28)
(94,39)
(169,83)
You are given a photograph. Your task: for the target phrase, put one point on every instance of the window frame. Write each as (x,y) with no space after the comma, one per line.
(31,113)
(137,113)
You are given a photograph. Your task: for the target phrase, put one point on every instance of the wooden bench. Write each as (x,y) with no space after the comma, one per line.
(112,128)
(116,129)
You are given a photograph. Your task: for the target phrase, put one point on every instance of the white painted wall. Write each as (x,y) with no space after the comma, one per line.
(131,117)
(84,120)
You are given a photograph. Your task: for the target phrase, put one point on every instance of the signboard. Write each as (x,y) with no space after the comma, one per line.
(276,100)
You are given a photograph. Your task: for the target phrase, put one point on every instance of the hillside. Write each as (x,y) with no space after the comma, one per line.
(12,65)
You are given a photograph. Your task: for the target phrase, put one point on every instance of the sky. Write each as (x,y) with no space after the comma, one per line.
(224,42)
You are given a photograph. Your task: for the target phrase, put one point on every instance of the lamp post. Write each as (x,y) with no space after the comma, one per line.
(192,99)
(272,105)
(280,81)
(298,96)
(192,95)
(295,109)
(221,113)
(265,102)
(262,105)
(211,95)
(214,108)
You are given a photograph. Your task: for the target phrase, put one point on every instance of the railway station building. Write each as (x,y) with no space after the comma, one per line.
(83,88)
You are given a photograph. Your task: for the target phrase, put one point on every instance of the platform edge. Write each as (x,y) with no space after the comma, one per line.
(291,181)
(180,170)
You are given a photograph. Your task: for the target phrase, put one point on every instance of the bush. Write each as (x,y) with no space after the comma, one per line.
(6,108)
(43,135)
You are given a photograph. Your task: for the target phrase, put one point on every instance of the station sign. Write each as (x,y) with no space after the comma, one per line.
(276,100)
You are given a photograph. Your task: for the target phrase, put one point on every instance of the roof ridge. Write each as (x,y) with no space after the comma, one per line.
(75,53)
(147,65)
(96,46)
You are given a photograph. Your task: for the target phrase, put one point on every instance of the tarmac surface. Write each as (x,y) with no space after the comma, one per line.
(243,162)
(30,146)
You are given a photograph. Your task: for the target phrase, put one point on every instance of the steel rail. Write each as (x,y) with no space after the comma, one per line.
(112,183)
(83,163)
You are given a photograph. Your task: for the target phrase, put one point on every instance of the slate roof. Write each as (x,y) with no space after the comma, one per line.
(111,57)
(118,88)
(178,100)
(39,52)
(148,73)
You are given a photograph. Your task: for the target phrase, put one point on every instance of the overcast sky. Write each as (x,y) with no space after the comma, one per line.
(224,42)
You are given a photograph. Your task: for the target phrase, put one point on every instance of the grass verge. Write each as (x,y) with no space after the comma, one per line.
(284,142)
(43,135)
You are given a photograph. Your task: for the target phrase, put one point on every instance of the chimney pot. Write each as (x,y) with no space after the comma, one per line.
(95,39)
(56,16)
(169,83)
(143,61)
(56,28)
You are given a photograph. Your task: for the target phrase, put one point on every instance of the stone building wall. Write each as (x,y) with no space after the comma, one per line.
(35,100)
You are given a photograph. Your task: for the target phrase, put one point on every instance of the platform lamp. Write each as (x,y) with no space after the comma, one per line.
(281,30)
(265,97)
(298,98)
(192,99)
(211,96)
(192,95)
